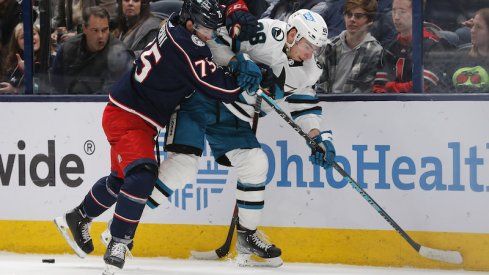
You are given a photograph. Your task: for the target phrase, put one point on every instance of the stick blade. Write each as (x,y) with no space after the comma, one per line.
(205,255)
(448,256)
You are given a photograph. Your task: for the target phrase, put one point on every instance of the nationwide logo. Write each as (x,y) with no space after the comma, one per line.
(68,168)
(278,33)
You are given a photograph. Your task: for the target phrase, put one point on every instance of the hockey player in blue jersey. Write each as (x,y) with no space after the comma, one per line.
(175,65)
(289,50)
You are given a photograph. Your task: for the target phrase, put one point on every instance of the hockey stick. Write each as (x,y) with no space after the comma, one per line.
(448,256)
(223,250)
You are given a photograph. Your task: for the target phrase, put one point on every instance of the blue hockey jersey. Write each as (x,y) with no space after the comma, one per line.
(172,67)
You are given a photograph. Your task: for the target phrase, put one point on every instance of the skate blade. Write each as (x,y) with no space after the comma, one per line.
(110,269)
(249,260)
(65,232)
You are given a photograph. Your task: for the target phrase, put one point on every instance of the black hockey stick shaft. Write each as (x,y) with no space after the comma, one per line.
(340,170)
(223,250)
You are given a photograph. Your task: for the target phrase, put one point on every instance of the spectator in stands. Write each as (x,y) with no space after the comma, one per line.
(351,59)
(282,9)
(91,61)
(382,28)
(395,69)
(68,21)
(12,72)
(136,25)
(471,73)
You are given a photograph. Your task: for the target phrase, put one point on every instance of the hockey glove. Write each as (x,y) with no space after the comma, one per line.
(240,23)
(269,82)
(248,73)
(325,160)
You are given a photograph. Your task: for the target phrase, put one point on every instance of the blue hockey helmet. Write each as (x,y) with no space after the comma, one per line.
(203,12)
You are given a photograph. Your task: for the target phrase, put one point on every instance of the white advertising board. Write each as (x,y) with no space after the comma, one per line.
(423,162)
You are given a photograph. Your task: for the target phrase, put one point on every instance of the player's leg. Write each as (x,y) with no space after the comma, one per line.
(138,184)
(78,220)
(184,142)
(132,140)
(235,143)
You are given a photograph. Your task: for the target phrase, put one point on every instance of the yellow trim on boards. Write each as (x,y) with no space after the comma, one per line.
(315,245)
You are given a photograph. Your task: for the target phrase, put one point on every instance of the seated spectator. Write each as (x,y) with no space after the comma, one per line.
(136,25)
(382,28)
(282,9)
(68,20)
(351,59)
(12,72)
(395,69)
(90,62)
(10,15)
(471,73)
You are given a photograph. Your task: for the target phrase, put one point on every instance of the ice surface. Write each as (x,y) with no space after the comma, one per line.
(31,264)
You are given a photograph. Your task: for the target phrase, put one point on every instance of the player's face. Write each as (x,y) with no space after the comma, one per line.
(402,16)
(303,50)
(131,7)
(204,33)
(356,20)
(479,33)
(97,33)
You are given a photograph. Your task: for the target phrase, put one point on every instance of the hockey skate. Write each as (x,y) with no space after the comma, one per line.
(251,243)
(78,225)
(106,237)
(114,257)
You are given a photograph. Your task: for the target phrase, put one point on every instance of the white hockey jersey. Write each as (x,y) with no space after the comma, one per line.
(267,47)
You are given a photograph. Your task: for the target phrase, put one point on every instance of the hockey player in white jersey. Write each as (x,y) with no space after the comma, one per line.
(289,49)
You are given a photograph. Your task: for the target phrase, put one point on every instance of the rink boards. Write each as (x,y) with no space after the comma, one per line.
(425,163)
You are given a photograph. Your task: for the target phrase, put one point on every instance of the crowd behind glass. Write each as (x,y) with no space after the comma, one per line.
(92,43)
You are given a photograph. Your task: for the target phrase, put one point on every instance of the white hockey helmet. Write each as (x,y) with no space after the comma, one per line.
(309,25)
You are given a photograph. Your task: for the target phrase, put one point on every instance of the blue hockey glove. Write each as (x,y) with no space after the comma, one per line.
(325,160)
(240,23)
(248,73)
(270,83)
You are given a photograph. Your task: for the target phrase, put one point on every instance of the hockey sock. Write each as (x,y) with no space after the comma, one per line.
(250,200)
(131,202)
(102,196)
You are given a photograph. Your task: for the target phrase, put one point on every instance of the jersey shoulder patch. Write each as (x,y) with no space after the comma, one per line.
(188,43)
(278,34)
(197,41)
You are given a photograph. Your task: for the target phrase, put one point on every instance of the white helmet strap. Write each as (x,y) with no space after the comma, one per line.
(295,40)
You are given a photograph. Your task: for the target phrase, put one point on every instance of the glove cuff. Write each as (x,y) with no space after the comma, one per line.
(236,6)
(234,64)
(241,57)
(326,135)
